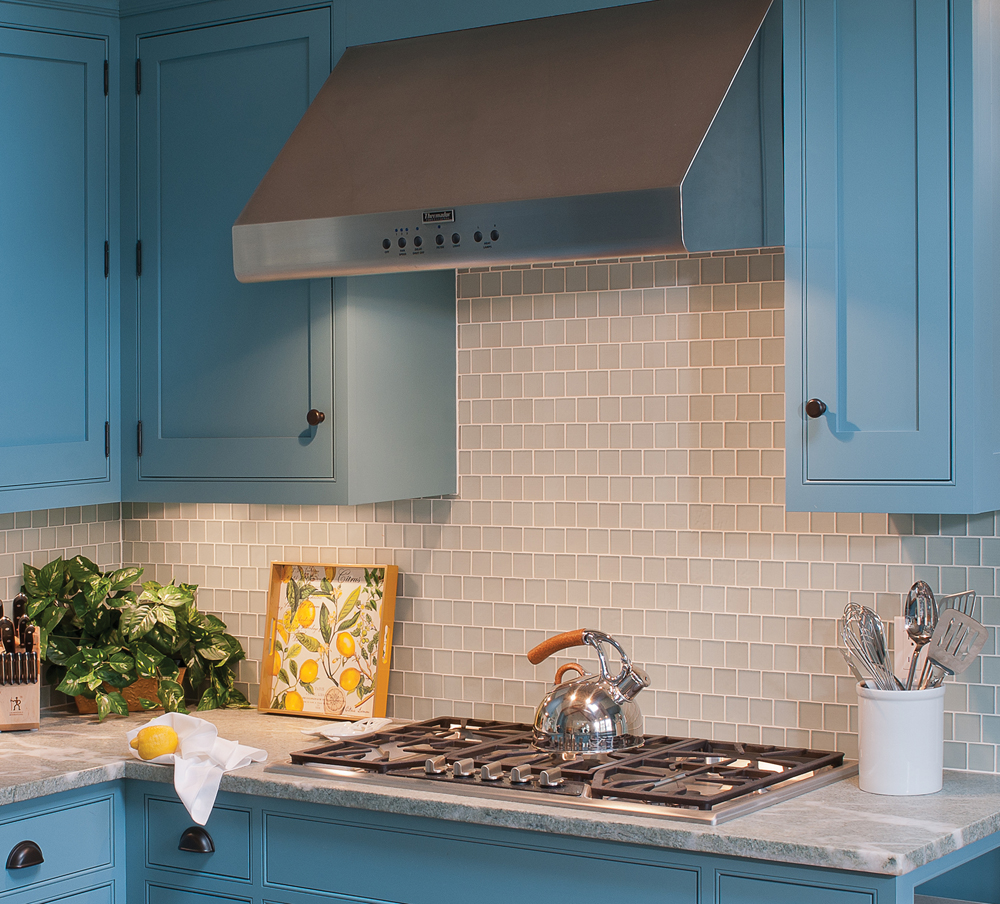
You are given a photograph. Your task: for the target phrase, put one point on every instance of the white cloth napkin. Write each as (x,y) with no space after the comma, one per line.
(201,759)
(333,730)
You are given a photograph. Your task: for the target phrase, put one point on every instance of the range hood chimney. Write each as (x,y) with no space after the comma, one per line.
(647,128)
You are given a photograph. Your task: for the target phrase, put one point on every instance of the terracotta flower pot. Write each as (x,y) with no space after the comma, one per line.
(144,688)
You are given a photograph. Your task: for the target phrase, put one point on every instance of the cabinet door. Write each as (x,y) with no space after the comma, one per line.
(227,372)
(53,291)
(868,239)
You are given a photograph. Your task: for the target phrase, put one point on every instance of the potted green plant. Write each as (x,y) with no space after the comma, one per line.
(99,636)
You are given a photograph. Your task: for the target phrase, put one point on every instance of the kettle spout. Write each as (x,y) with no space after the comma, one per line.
(631,681)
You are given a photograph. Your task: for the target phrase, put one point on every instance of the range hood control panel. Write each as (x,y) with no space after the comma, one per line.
(612,224)
(439,234)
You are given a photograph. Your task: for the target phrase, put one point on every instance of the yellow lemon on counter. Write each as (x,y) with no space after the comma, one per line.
(306,614)
(345,644)
(350,679)
(293,701)
(155,740)
(308,671)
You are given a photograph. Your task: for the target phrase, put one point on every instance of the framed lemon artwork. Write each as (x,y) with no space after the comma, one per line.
(327,640)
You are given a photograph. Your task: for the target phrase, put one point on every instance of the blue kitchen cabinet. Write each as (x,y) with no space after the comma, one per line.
(58,407)
(80,836)
(890,226)
(231,377)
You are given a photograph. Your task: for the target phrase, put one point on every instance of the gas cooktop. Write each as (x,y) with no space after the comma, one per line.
(677,778)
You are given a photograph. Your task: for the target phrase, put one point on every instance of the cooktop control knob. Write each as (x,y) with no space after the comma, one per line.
(436,765)
(491,772)
(464,768)
(520,775)
(551,778)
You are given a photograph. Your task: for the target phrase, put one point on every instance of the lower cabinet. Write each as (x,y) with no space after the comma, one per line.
(68,847)
(284,852)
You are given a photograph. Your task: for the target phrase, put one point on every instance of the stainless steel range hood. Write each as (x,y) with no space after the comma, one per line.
(647,128)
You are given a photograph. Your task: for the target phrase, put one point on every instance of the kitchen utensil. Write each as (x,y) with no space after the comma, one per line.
(964,602)
(10,648)
(29,653)
(920,612)
(957,640)
(864,636)
(854,665)
(592,713)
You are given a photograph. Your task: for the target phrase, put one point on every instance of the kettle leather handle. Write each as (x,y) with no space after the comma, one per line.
(554,644)
(570,666)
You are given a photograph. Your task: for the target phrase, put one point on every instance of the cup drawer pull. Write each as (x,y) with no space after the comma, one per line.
(26,853)
(195,840)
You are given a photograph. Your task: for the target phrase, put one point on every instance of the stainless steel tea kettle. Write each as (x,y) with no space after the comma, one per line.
(592,713)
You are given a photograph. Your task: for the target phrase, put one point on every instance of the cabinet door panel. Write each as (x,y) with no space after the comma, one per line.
(876,264)
(227,371)
(53,292)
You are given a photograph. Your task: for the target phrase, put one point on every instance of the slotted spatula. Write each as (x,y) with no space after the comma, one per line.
(957,640)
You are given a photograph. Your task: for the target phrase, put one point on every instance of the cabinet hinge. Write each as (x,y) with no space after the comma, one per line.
(107,259)
(107,80)
(138,258)
(138,439)
(107,439)
(138,76)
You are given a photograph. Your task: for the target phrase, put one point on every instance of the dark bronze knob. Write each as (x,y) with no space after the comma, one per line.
(196,840)
(314,418)
(815,408)
(26,853)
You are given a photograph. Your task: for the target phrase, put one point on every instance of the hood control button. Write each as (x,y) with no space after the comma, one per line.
(494,235)
(417,241)
(455,238)
(401,242)
(386,244)
(439,239)
(478,236)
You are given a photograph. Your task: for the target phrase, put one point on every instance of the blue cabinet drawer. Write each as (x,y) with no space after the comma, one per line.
(105,894)
(73,840)
(164,894)
(753,890)
(323,857)
(230,831)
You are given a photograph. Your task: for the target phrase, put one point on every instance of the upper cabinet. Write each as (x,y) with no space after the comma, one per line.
(56,306)
(297,391)
(889,231)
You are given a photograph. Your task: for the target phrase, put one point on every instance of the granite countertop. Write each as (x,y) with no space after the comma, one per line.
(838,826)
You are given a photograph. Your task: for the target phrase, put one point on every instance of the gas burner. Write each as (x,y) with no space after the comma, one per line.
(691,778)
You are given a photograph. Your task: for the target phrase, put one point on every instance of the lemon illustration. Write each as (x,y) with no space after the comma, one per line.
(349,679)
(345,644)
(155,740)
(293,701)
(306,614)
(308,671)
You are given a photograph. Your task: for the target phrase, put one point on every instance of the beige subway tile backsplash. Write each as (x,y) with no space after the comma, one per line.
(621,465)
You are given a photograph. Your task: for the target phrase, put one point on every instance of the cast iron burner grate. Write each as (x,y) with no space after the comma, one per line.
(409,746)
(688,773)
(707,774)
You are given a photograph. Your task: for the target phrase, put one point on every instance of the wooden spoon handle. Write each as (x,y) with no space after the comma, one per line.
(554,644)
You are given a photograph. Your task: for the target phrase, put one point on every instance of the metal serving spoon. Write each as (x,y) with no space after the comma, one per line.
(920,612)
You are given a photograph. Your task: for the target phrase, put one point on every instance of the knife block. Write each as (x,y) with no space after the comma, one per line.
(19,703)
